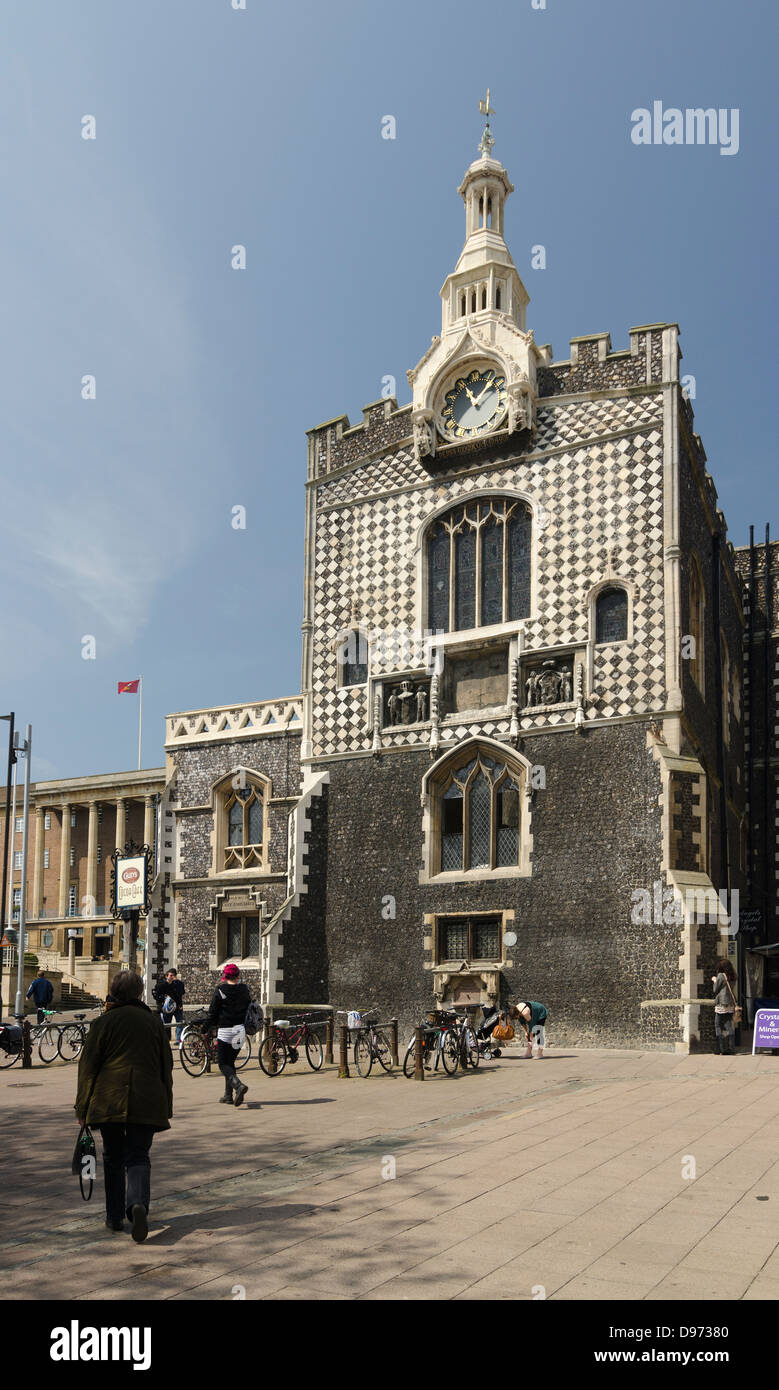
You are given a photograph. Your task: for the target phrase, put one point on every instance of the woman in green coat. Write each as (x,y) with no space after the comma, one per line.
(125,1089)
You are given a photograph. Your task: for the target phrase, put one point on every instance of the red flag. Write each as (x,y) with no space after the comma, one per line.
(128,687)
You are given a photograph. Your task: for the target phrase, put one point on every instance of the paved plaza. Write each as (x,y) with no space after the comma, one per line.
(566,1178)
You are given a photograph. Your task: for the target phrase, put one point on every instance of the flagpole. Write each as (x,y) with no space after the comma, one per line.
(140,719)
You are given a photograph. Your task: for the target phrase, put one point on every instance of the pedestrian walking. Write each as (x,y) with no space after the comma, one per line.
(169,994)
(125,1089)
(227,1013)
(531,1017)
(42,992)
(724,1009)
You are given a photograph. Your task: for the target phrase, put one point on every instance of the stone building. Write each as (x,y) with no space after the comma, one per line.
(76,823)
(517,766)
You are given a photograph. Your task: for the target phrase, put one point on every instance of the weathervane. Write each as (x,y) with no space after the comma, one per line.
(487,141)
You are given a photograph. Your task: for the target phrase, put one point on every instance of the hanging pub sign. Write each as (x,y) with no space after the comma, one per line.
(130,880)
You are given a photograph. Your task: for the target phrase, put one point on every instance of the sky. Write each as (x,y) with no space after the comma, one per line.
(261,127)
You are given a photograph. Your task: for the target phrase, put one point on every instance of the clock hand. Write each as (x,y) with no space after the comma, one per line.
(485,388)
(470,396)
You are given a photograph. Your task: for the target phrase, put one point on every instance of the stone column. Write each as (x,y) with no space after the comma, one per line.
(37,881)
(121,823)
(64,860)
(92,858)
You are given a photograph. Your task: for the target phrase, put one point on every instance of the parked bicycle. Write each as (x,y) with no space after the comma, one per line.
(440,1042)
(198,1047)
(11,1044)
(283,1042)
(371,1043)
(47,1036)
(72,1037)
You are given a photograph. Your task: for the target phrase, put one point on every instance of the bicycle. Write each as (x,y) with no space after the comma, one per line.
(371,1044)
(440,1041)
(198,1047)
(11,1046)
(282,1043)
(46,1035)
(72,1038)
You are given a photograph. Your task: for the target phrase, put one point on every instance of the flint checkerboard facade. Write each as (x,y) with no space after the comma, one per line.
(632,783)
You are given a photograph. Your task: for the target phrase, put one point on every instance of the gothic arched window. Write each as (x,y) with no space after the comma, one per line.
(478,558)
(243,827)
(611,616)
(353,659)
(479,815)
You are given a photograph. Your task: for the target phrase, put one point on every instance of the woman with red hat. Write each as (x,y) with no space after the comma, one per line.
(227,1013)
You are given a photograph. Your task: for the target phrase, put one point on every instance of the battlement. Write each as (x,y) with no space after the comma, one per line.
(336,443)
(594,366)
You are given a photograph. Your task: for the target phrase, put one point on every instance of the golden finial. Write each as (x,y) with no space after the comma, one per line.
(486,143)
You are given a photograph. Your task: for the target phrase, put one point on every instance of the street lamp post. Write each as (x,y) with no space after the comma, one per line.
(6,827)
(27,748)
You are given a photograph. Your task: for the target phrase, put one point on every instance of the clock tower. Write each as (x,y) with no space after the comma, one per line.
(478,379)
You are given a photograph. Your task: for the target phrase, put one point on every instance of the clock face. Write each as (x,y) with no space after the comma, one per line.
(474,403)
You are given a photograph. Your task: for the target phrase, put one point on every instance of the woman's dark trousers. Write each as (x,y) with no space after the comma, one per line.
(225,1056)
(126,1168)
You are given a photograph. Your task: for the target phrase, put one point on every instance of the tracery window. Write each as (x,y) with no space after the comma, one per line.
(611,616)
(244,811)
(479,565)
(480,816)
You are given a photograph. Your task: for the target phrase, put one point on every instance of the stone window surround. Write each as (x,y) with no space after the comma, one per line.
(698,666)
(337,646)
(433,784)
(221,792)
(235,902)
(612,581)
(455,499)
(488,972)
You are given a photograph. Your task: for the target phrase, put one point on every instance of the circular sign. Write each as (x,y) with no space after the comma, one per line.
(510,938)
(130,875)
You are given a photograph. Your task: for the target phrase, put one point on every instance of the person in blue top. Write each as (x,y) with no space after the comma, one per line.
(42,991)
(531,1017)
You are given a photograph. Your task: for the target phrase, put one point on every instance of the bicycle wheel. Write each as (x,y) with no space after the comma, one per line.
(471,1048)
(192,1053)
(314,1051)
(450,1051)
(48,1044)
(7,1059)
(410,1059)
(244,1054)
(363,1054)
(71,1041)
(382,1050)
(273,1056)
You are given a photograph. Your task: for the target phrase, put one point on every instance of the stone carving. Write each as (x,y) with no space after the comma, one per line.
(424,434)
(521,405)
(549,684)
(407,703)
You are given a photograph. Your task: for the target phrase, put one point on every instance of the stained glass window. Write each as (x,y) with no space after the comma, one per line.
(252,947)
(452,830)
(469,938)
(611,616)
(519,566)
(507,825)
(491,539)
(465,579)
(255,823)
(236,824)
(454,942)
(485,939)
(492,573)
(479,820)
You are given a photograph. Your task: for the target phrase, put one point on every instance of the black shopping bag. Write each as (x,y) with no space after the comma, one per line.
(84,1165)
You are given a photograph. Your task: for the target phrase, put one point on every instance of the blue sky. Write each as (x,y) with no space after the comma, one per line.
(262,127)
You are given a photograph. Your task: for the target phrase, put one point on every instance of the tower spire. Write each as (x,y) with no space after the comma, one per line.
(487,140)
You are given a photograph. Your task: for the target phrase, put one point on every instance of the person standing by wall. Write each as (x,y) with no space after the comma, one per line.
(125,1089)
(724,1008)
(227,1013)
(170,991)
(42,992)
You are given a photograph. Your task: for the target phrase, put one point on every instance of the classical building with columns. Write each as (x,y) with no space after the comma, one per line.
(75,826)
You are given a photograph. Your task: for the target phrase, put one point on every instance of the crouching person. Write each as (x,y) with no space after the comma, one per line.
(531,1017)
(227,1013)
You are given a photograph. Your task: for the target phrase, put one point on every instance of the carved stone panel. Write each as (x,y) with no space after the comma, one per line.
(547,683)
(406,702)
(475,680)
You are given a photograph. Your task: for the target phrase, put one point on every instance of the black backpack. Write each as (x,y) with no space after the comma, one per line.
(253,1019)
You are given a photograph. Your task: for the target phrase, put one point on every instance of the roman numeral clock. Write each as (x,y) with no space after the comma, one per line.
(477,380)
